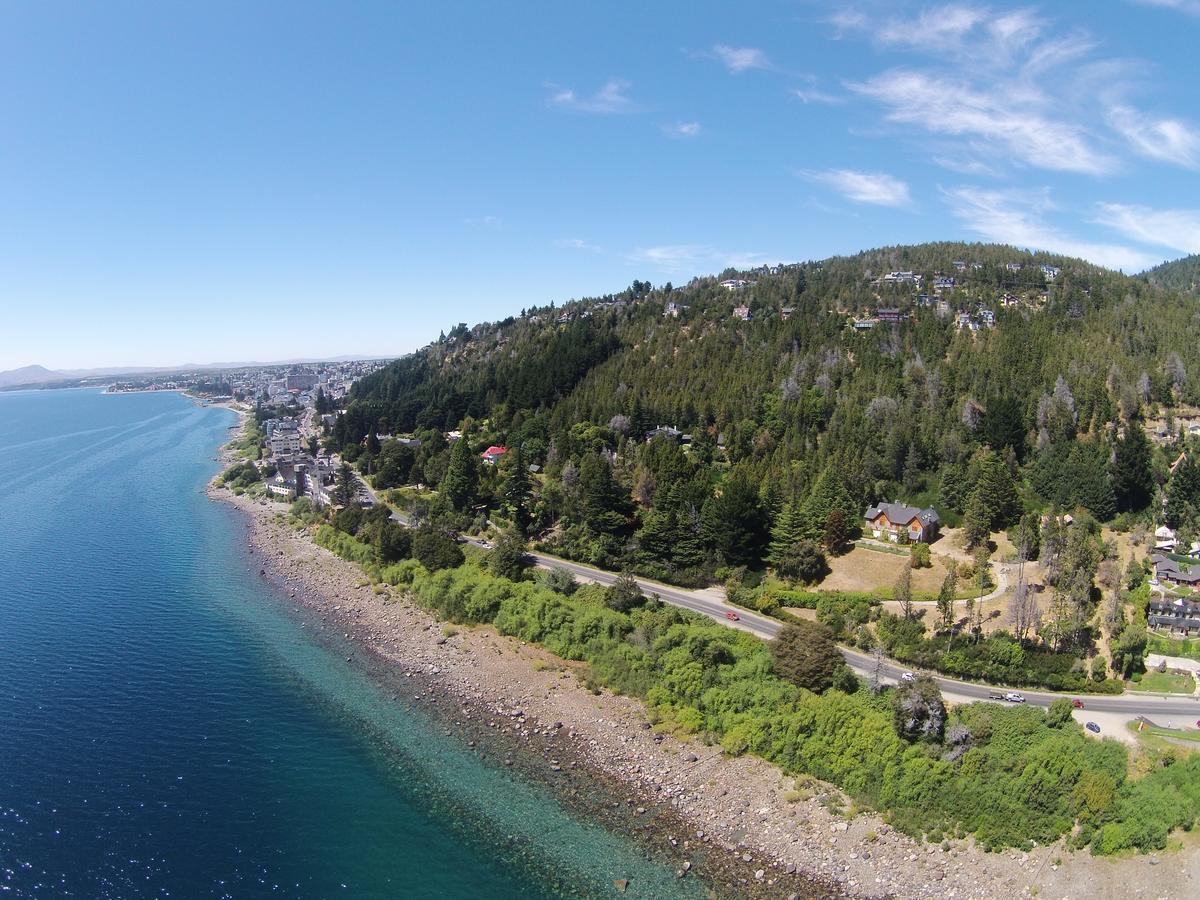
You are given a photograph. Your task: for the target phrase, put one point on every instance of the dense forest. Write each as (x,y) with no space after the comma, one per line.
(1178,275)
(742,423)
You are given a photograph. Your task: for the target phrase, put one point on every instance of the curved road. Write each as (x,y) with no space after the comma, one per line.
(709,603)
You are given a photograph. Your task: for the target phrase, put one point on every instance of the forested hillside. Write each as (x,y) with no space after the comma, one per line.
(988,383)
(896,409)
(735,429)
(1177,275)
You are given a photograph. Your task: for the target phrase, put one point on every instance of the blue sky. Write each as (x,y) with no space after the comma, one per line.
(217,181)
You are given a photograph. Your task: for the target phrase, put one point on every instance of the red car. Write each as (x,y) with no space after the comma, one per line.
(733,617)
(1078,704)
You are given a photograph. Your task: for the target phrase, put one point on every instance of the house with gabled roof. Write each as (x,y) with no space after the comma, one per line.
(890,521)
(492,454)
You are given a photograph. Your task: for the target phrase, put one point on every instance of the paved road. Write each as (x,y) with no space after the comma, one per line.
(709,603)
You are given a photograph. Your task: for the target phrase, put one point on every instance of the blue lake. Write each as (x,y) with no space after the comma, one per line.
(167,728)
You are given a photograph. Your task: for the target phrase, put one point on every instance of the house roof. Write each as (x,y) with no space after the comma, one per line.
(494,451)
(901,514)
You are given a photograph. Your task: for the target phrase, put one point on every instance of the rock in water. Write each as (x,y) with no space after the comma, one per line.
(621,884)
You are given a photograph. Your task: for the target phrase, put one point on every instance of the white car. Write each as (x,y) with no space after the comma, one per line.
(1014,697)
(908,676)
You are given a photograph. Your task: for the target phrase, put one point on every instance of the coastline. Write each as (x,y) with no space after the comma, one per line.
(690,800)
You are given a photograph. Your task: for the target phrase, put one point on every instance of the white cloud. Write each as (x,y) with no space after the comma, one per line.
(864,187)
(485,221)
(812,93)
(694,257)
(741,59)
(1005,116)
(682,129)
(964,165)
(1018,218)
(1168,140)
(934,27)
(609,99)
(1178,229)
(1019,86)
(578,244)
(1192,7)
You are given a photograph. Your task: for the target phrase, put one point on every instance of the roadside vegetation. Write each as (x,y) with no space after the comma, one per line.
(684,444)
(1008,776)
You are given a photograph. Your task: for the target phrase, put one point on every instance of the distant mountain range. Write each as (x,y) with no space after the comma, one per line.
(35,375)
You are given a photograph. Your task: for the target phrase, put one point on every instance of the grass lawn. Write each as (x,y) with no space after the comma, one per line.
(1164,683)
(876,572)
(1166,646)
(1158,738)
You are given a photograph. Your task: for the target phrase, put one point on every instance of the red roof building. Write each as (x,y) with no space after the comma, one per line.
(493,453)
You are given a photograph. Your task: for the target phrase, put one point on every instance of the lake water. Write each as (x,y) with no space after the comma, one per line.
(167,728)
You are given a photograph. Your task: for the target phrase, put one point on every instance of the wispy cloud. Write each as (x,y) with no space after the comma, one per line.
(964,165)
(1018,218)
(694,257)
(682,129)
(1013,87)
(1005,117)
(485,221)
(933,27)
(864,187)
(578,244)
(741,59)
(1168,140)
(811,92)
(1191,7)
(1178,229)
(611,98)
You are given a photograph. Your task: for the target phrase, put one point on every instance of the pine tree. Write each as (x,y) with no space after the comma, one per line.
(462,476)
(518,490)
(976,523)
(829,493)
(837,531)
(787,531)
(1133,481)
(996,489)
(902,593)
(945,599)
(1183,493)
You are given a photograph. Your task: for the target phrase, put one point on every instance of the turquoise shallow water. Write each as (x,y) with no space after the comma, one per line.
(168,729)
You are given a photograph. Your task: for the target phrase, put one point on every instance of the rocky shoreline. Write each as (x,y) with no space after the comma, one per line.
(738,823)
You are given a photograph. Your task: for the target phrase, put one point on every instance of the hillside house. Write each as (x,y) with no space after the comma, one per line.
(1164,539)
(891,314)
(743,312)
(735,284)
(1175,614)
(664,431)
(890,521)
(1051,272)
(674,310)
(785,312)
(492,454)
(1169,571)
